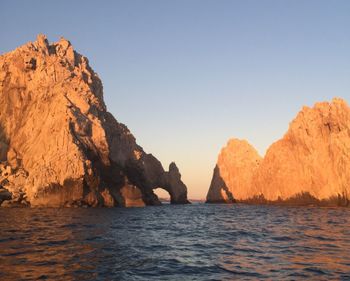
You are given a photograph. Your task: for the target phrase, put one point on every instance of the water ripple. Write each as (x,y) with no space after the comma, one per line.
(196,242)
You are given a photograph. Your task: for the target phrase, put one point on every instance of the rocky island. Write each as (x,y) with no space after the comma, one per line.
(59,146)
(309,165)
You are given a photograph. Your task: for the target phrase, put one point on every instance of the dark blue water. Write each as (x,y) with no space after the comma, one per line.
(194,242)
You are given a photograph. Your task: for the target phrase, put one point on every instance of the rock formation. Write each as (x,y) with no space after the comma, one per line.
(309,165)
(58,144)
(237,162)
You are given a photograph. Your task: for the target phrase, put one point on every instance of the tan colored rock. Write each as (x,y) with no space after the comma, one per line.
(310,164)
(313,156)
(237,162)
(132,196)
(54,127)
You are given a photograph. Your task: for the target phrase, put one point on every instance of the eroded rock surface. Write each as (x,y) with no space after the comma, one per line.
(61,145)
(309,165)
(232,179)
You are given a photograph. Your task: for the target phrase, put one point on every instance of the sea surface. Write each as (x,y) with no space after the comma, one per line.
(191,242)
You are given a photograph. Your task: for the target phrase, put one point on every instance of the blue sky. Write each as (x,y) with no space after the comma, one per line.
(185,76)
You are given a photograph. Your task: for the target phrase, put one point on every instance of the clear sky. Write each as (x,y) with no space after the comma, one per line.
(187,75)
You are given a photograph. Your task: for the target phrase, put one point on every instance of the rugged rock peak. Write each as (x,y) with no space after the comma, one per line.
(309,165)
(42,44)
(173,169)
(61,145)
(312,158)
(233,172)
(173,178)
(323,119)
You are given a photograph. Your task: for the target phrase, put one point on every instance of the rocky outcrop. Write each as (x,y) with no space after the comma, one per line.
(59,144)
(312,158)
(172,179)
(232,179)
(309,165)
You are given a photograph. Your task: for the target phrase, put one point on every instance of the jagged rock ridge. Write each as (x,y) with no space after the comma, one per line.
(58,144)
(309,165)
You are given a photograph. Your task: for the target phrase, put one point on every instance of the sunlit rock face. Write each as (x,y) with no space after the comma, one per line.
(58,144)
(313,156)
(309,165)
(232,179)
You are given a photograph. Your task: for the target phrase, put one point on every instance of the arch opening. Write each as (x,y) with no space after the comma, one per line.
(163,195)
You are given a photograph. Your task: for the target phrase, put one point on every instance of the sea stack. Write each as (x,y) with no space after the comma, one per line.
(309,165)
(232,178)
(59,146)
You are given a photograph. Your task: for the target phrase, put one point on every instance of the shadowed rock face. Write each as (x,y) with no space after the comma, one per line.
(309,165)
(218,190)
(58,143)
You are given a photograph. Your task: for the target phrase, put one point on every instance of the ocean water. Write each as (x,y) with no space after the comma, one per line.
(191,242)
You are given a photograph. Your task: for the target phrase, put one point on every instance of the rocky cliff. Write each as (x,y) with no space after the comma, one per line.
(309,165)
(59,146)
(233,172)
